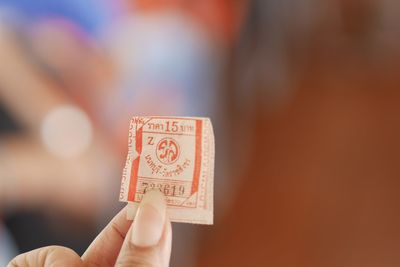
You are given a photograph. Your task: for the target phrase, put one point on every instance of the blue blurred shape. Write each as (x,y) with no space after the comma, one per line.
(90,15)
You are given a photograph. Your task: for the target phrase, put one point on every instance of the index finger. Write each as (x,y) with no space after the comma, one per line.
(105,248)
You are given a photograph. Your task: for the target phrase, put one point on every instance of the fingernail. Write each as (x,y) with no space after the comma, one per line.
(149,221)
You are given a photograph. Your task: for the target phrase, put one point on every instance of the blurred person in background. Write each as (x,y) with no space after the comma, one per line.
(55,166)
(72,73)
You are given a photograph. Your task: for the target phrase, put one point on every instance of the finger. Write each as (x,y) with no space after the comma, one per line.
(148,241)
(105,248)
(47,257)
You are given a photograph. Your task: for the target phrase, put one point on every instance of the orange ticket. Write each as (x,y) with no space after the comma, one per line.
(176,156)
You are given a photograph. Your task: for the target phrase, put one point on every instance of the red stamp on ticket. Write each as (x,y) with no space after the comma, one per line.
(176,156)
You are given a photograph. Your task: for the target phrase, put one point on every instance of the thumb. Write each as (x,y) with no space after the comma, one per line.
(148,241)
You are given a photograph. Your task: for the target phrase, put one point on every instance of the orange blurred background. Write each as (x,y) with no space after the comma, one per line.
(302,94)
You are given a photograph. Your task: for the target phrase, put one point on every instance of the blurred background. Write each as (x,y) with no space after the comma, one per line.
(304,97)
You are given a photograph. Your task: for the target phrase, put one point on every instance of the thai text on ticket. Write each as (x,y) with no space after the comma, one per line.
(176,156)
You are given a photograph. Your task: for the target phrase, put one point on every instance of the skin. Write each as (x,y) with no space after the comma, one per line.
(29,94)
(112,247)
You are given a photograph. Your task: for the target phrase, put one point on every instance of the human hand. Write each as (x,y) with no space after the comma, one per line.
(144,242)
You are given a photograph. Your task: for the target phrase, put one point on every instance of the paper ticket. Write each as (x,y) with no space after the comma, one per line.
(176,156)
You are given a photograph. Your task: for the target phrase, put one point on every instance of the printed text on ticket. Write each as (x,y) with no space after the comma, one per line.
(176,156)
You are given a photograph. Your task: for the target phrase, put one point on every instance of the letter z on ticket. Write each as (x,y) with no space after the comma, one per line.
(176,156)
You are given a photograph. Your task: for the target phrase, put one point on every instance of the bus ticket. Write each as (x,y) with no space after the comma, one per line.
(176,156)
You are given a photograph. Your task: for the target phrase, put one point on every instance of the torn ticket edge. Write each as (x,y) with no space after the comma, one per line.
(175,155)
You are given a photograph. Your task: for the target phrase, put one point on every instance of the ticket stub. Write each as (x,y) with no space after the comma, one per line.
(176,156)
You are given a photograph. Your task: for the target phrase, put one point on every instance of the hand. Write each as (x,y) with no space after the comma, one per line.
(145,242)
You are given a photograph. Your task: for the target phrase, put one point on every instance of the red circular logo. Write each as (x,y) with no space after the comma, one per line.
(167,150)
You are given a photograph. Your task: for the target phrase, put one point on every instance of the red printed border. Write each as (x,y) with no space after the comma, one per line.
(135,163)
